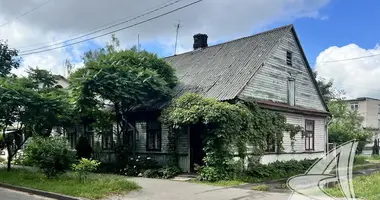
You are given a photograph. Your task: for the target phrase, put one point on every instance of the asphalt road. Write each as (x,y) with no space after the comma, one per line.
(13,195)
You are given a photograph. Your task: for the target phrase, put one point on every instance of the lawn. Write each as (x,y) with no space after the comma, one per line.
(96,187)
(366,187)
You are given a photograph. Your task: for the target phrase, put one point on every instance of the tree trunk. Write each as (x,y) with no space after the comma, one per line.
(9,164)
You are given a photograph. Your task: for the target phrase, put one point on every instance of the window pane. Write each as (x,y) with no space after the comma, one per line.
(309,125)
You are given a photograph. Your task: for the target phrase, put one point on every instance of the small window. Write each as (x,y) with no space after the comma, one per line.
(309,135)
(153,136)
(271,145)
(354,106)
(289,58)
(107,138)
(291,92)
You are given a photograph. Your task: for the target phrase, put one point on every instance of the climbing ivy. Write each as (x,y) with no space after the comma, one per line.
(228,128)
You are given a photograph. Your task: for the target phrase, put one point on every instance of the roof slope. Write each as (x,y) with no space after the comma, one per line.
(222,71)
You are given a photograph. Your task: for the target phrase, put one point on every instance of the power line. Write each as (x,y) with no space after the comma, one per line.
(82,33)
(104,34)
(25,13)
(348,59)
(102,29)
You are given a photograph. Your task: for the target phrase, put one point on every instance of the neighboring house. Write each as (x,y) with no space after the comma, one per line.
(269,68)
(369,109)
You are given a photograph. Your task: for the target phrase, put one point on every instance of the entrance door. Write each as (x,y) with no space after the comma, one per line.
(196,148)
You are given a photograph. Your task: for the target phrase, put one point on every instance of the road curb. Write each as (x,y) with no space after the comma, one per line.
(39,192)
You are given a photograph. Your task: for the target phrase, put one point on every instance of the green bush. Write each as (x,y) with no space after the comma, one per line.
(138,165)
(151,173)
(210,174)
(84,167)
(169,171)
(278,170)
(51,155)
(262,187)
(3,160)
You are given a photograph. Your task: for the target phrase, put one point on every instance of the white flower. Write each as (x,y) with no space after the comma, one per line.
(148,158)
(137,160)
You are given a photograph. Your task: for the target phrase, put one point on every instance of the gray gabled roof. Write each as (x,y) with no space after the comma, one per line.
(221,71)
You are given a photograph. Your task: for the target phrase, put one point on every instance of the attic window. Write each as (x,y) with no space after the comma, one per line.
(289,58)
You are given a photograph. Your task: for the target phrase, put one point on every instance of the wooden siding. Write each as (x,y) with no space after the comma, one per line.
(270,82)
(299,144)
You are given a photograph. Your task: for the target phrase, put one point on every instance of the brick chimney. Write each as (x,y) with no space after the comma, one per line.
(200,41)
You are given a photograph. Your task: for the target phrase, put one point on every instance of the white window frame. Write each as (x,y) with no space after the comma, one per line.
(355,106)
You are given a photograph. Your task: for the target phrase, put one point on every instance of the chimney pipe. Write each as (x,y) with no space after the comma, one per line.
(200,41)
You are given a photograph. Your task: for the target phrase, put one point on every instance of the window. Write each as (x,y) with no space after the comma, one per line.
(289,58)
(309,135)
(73,137)
(271,145)
(153,136)
(291,91)
(107,138)
(354,106)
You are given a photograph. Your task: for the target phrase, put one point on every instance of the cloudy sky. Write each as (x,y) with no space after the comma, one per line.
(329,30)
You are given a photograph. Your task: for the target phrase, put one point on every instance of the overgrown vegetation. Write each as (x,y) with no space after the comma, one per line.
(97,186)
(228,128)
(85,166)
(51,155)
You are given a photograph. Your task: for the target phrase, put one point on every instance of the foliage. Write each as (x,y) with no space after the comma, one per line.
(8,59)
(169,171)
(261,187)
(2,160)
(227,128)
(84,149)
(51,155)
(326,88)
(123,80)
(138,165)
(98,186)
(276,170)
(151,173)
(375,148)
(346,125)
(28,110)
(84,167)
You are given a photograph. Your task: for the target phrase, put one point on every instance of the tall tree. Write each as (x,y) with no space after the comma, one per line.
(326,87)
(8,59)
(120,80)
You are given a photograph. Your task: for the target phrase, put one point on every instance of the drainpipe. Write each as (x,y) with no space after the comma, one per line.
(327,123)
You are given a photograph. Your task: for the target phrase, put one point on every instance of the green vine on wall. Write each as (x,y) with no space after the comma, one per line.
(228,127)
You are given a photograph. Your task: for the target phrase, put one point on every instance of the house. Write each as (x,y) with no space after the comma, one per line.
(369,109)
(269,68)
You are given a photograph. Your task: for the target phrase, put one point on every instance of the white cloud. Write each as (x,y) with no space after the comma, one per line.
(220,19)
(358,77)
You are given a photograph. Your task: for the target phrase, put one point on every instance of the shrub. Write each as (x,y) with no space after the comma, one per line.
(84,149)
(84,166)
(2,160)
(151,173)
(210,174)
(169,171)
(138,165)
(278,170)
(51,155)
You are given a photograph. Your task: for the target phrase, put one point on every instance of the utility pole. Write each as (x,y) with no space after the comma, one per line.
(178,26)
